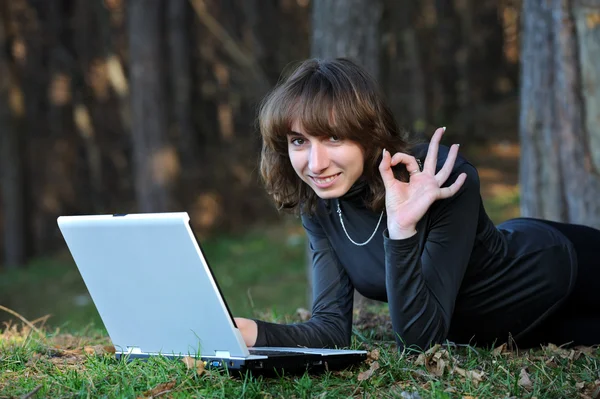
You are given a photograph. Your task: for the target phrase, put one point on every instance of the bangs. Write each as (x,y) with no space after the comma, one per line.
(310,101)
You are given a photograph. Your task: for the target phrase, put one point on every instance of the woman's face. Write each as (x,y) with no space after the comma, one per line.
(330,166)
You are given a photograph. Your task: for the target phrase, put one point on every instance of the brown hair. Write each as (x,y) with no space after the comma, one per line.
(315,93)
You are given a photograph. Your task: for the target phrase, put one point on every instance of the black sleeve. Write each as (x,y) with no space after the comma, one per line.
(331,323)
(423,276)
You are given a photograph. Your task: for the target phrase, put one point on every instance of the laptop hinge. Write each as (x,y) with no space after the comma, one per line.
(222,354)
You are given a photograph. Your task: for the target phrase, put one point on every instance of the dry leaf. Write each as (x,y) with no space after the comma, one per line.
(99,349)
(365,375)
(473,375)
(158,390)
(66,341)
(499,350)
(434,360)
(593,389)
(550,362)
(469,397)
(588,350)
(372,356)
(436,367)
(193,364)
(303,314)
(68,352)
(524,380)
(420,373)
(431,351)
(564,353)
(580,385)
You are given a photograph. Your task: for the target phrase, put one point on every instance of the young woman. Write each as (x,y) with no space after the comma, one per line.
(404,223)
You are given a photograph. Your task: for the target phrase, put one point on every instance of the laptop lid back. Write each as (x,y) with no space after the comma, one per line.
(151,284)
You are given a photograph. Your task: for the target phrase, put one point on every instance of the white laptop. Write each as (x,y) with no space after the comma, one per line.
(156,295)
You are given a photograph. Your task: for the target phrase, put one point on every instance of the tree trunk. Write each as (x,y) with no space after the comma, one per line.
(11,173)
(178,32)
(446,77)
(348,28)
(402,65)
(560,111)
(352,29)
(153,159)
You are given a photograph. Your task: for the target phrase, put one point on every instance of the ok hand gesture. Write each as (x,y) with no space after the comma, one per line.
(406,203)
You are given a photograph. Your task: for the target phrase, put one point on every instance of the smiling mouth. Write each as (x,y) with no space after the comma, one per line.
(325,180)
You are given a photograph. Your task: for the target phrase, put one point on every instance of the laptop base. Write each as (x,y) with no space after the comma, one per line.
(273,365)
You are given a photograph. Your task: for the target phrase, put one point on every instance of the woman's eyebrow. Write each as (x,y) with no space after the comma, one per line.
(291,132)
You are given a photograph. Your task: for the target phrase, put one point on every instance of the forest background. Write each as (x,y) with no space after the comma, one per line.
(115,106)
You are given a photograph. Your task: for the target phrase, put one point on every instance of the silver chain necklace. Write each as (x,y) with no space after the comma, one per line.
(339,211)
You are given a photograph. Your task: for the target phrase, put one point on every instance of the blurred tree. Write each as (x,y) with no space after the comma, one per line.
(560,111)
(11,162)
(179,13)
(352,29)
(348,28)
(447,43)
(154,161)
(402,67)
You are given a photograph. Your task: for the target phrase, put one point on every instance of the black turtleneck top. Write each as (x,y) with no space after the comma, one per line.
(459,278)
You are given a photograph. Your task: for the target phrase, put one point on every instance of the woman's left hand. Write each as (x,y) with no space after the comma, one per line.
(407,203)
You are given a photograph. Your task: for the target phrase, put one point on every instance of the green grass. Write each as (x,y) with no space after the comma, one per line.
(78,366)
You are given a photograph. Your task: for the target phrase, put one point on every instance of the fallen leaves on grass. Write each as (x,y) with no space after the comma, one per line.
(372,356)
(99,349)
(501,350)
(434,360)
(365,375)
(194,364)
(67,358)
(66,341)
(437,360)
(473,375)
(571,354)
(591,390)
(160,389)
(524,380)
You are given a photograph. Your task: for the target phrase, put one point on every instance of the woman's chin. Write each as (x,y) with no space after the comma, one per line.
(330,193)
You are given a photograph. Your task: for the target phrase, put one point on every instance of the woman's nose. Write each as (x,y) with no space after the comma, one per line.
(318,159)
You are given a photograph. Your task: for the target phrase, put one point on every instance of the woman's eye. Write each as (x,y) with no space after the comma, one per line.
(297,141)
(334,138)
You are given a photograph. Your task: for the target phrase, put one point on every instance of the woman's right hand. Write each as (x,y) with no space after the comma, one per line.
(249,330)
(407,202)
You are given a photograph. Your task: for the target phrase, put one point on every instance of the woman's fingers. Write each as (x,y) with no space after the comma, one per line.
(385,169)
(387,161)
(446,170)
(432,151)
(447,192)
(409,161)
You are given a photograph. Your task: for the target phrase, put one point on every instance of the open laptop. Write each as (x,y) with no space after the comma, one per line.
(156,295)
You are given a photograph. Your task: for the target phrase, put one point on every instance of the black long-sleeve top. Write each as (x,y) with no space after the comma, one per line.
(458,278)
